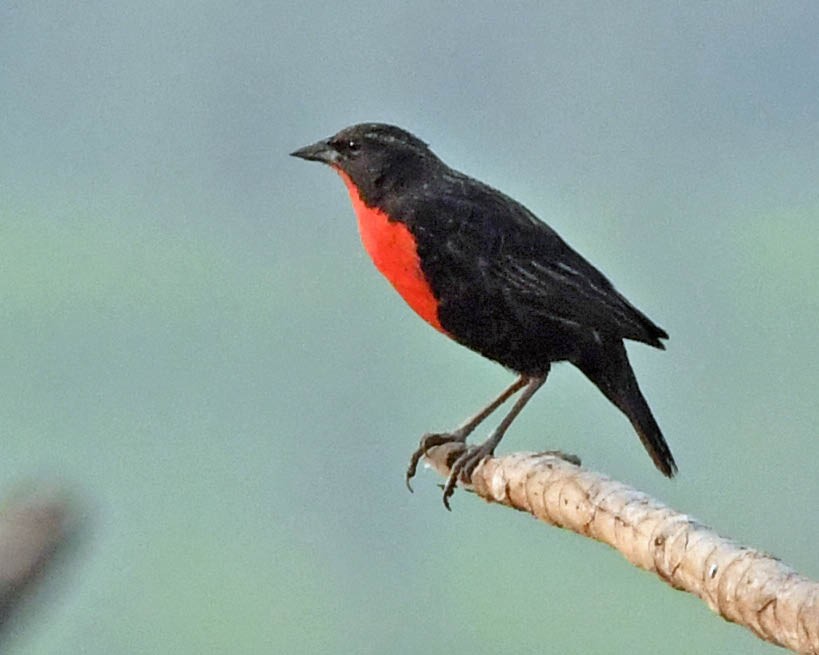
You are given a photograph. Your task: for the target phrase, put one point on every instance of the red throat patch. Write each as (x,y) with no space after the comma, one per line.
(392,248)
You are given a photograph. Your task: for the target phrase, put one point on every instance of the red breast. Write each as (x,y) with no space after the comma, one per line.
(393,250)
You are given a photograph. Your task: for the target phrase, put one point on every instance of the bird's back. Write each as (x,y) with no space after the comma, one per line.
(508,286)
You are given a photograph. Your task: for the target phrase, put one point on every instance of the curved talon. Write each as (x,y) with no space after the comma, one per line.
(470,466)
(429,440)
(462,468)
(449,489)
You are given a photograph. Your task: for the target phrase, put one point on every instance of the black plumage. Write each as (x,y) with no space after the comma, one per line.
(507,285)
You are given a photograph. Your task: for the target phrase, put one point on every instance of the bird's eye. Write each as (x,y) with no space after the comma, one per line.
(353,145)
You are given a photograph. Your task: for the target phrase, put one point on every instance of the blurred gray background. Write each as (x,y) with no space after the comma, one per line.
(194,341)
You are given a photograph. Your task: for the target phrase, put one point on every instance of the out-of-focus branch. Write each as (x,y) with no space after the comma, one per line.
(31,530)
(741,584)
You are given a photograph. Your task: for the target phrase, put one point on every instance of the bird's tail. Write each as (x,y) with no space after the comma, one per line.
(611,372)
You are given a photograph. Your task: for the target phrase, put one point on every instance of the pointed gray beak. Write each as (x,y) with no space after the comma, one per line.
(320,151)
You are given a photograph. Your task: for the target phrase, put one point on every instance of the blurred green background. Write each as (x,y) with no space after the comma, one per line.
(194,341)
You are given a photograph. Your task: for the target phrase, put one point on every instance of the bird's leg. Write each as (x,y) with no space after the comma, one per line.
(430,440)
(468,427)
(467,461)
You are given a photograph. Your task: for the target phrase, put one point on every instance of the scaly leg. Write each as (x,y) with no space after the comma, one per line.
(463,431)
(467,461)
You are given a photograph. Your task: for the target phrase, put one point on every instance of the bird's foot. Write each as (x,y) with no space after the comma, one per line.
(430,440)
(464,465)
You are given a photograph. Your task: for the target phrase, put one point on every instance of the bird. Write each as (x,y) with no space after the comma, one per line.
(482,269)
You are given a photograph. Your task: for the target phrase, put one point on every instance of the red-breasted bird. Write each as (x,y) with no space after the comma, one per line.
(485,271)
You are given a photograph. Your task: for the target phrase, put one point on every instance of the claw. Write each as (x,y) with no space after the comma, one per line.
(449,489)
(463,467)
(466,461)
(429,440)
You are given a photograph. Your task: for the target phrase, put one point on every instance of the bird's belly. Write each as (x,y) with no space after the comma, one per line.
(488,326)
(393,250)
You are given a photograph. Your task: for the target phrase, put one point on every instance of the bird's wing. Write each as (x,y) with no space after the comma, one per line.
(559,284)
(493,238)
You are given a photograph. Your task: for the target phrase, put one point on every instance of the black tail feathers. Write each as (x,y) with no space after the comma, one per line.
(610,371)
(649,432)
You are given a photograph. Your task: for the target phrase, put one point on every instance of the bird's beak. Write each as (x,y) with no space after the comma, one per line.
(320,151)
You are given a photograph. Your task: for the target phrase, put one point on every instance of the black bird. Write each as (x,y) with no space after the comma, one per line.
(484,270)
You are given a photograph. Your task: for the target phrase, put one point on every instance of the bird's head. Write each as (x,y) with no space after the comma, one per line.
(376,157)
